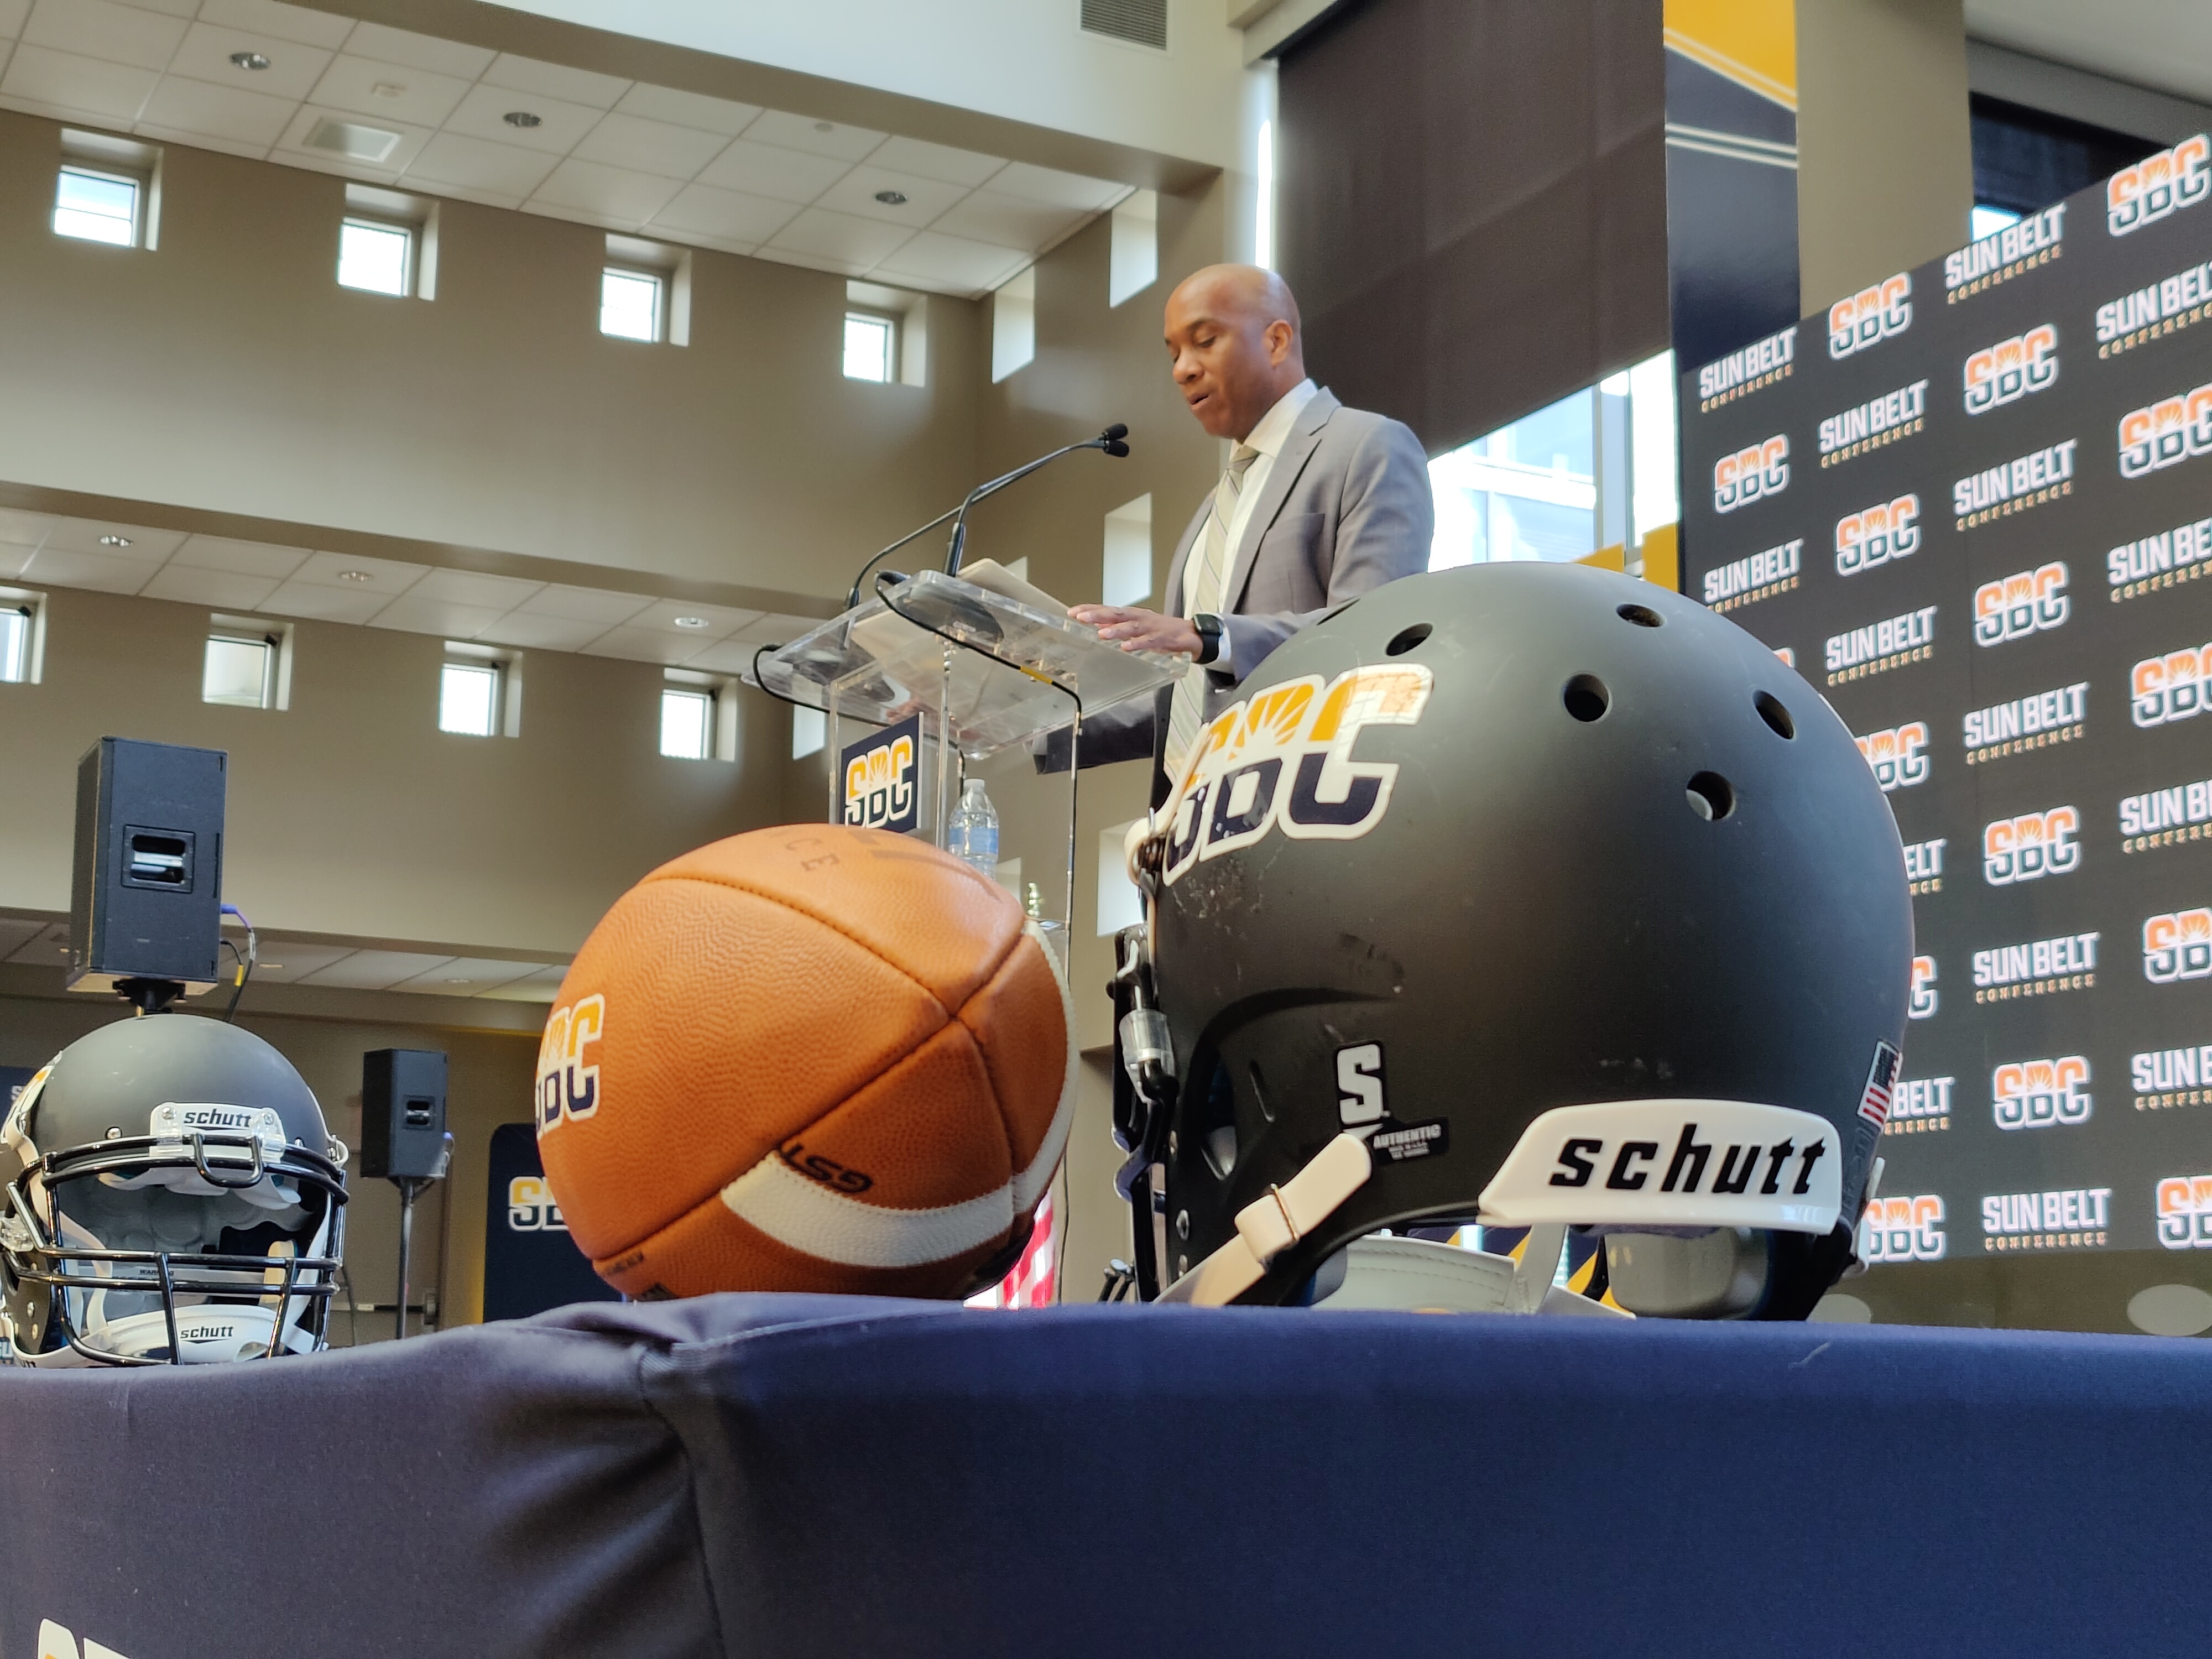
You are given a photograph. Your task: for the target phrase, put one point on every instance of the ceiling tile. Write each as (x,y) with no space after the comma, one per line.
(374,970)
(540,985)
(469,976)
(106,31)
(140,544)
(388,92)
(541,632)
(13,557)
(254,152)
(615,194)
(701,209)
(1055,189)
(190,585)
(70,86)
(857,191)
(731,656)
(688,109)
(785,256)
(293,69)
(32,527)
(502,170)
(48,947)
(296,23)
(721,620)
(786,175)
(594,604)
(988,217)
(574,86)
(860,242)
(292,147)
(954,166)
(226,112)
(421,51)
(344,572)
(631,141)
(298,598)
(483,114)
(643,645)
(473,587)
(455,622)
(184,8)
(283,961)
(106,575)
(13,13)
(776,126)
(240,558)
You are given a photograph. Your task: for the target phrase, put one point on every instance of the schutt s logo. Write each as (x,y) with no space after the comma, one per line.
(1874,535)
(2157,185)
(2178,945)
(2035,1094)
(1751,475)
(2013,607)
(2031,846)
(567,1089)
(1870,316)
(1579,1157)
(1903,1230)
(2169,688)
(2008,371)
(1898,754)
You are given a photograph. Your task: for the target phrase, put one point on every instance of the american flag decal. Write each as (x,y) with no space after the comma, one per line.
(1874,1104)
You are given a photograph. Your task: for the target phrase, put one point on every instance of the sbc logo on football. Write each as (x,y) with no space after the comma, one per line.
(2157,185)
(1751,475)
(1903,1230)
(531,1208)
(2178,945)
(1874,535)
(568,1088)
(2163,690)
(2031,846)
(2184,1212)
(1870,316)
(2166,433)
(1922,1002)
(1898,754)
(2008,371)
(2035,1094)
(2014,607)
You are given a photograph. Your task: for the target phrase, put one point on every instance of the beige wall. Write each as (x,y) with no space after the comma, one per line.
(1885,158)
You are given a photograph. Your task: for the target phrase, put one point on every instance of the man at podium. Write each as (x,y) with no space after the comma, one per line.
(1318,504)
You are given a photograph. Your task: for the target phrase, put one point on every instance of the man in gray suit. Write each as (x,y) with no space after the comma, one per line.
(1319,504)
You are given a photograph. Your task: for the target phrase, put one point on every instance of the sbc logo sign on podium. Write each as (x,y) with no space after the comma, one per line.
(882,780)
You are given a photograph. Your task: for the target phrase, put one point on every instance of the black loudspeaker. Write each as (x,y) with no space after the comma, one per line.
(403,1113)
(146,886)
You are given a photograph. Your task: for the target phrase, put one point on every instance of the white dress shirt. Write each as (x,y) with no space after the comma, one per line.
(1268,437)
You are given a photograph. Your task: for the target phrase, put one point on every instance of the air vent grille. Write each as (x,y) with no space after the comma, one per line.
(351,140)
(1140,22)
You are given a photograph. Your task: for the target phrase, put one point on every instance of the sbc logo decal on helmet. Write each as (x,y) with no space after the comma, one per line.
(2178,945)
(1870,316)
(2031,846)
(1282,760)
(1752,474)
(1903,1230)
(2184,1212)
(2034,1094)
(1922,1002)
(2013,607)
(2008,371)
(1898,754)
(2157,185)
(531,1208)
(568,1088)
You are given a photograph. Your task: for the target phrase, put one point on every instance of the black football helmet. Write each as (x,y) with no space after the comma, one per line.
(1526,895)
(180,1201)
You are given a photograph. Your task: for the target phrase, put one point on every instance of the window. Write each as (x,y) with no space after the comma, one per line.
(869,347)
(631,303)
(240,671)
(809,731)
(1126,577)
(468,699)
(1013,324)
(687,722)
(377,258)
(1132,261)
(15,643)
(97,206)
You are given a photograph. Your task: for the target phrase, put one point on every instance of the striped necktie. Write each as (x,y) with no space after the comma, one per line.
(1202,591)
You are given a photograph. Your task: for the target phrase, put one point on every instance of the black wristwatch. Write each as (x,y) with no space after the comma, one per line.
(1210,631)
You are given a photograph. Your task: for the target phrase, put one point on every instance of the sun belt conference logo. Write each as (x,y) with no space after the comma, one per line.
(2169,688)
(1921,1002)
(879,779)
(568,1088)
(2166,433)
(2178,945)
(2008,371)
(2036,1094)
(2185,1212)
(530,1207)
(2031,846)
(2157,185)
(1282,760)
(1898,754)
(1874,535)
(1752,474)
(2013,607)
(1903,1230)
(1870,316)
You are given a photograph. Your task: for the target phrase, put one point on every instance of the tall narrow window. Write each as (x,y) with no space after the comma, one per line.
(631,303)
(870,347)
(240,672)
(1013,324)
(687,723)
(95,206)
(14,644)
(376,257)
(468,699)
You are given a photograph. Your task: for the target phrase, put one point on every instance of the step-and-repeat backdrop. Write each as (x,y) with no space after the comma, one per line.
(1973,505)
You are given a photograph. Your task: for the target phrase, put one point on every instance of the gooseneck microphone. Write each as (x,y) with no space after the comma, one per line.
(1112,441)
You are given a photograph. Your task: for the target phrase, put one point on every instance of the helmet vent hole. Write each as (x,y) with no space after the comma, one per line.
(1710,796)
(1408,638)
(1641,614)
(1586,697)
(1771,711)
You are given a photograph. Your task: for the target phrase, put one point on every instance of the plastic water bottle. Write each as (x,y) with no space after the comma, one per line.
(971,834)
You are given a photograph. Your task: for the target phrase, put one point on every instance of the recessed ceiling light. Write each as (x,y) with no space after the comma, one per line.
(522,117)
(691,622)
(825,126)
(457,979)
(891,197)
(115,541)
(355,576)
(249,60)
(387,89)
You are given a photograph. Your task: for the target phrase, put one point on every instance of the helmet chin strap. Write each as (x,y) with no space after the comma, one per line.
(1269,1226)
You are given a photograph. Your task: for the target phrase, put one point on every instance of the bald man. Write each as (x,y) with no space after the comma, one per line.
(1317,505)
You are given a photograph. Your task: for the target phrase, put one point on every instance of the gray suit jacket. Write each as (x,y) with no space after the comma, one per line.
(1346,508)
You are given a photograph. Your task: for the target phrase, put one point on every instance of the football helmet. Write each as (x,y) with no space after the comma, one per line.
(1526,895)
(180,1201)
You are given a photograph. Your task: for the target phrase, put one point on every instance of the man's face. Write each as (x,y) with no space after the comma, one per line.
(1226,360)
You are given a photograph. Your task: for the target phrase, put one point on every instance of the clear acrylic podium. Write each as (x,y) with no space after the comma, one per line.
(986,680)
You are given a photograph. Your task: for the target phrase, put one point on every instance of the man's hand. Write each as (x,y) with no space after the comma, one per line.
(1137,629)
